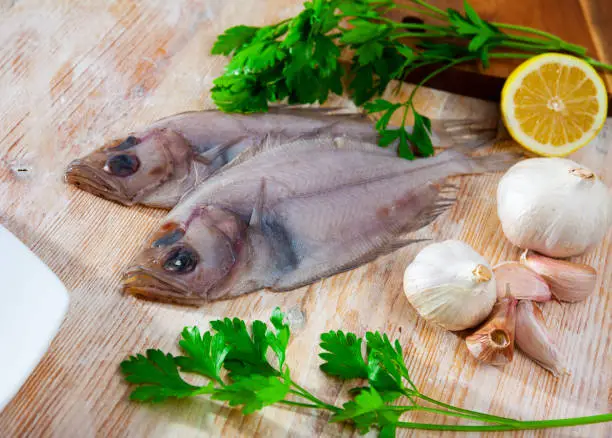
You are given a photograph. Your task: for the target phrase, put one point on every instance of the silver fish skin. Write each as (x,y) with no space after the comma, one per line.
(158,165)
(280,217)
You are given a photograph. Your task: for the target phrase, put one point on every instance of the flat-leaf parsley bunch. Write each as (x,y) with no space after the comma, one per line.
(298,58)
(248,368)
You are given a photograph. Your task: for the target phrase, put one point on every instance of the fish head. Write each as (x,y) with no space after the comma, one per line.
(183,261)
(127,170)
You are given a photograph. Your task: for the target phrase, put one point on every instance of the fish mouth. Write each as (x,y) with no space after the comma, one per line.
(145,283)
(86,177)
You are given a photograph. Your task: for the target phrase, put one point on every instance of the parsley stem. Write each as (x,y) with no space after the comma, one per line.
(470,416)
(430,7)
(436,72)
(526,29)
(420,35)
(307,395)
(420,11)
(417,26)
(474,416)
(302,405)
(524,46)
(482,415)
(598,64)
(503,55)
(521,425)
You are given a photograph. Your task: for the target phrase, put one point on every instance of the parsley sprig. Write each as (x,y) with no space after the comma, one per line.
(248,368)
(298,59)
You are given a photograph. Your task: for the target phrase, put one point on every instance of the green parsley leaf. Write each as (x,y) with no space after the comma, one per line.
(421,134)
(248,352)
(388,136)
(386,366)
(367,410)
(157,378)
(257,57)
(472,15)
(342,356)
(205,353)
(239,93)
(443,51)
(299,28)
(371,79)
(357,8)
(404,150)
(364,31)
(254,392)
(389,108)
(233,39)
(369,52)
(279,339)
(379,105)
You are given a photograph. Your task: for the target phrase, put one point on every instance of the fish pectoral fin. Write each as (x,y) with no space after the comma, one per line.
(257,213)
(213,153)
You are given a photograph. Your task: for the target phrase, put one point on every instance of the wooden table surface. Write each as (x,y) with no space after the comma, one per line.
(74,73)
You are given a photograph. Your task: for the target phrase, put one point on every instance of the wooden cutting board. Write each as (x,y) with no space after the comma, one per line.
(584,22)
(74,73)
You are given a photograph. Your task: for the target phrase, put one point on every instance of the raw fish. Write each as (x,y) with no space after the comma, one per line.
(158,165)
(283,216)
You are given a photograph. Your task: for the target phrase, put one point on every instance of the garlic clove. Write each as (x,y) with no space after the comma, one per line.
(568,281)
(534,339)
(523,283)
(493,342)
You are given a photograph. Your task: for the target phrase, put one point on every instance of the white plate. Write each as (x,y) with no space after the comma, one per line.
(33,302)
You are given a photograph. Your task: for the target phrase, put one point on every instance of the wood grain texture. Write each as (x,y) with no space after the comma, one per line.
(583,22)
(73,74)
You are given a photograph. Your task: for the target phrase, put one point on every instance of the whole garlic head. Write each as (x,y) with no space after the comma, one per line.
(553,206)
(450,284)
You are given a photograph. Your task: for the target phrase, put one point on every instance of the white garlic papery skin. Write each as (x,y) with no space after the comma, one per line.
(553,206)
(450,284)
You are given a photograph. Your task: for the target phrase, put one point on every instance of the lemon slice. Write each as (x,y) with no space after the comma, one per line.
(554,104)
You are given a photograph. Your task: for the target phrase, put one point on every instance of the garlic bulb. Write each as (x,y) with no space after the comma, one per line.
(493,343)
(568,281)
(533,338)
(522,282)
(450,284)
(553,206)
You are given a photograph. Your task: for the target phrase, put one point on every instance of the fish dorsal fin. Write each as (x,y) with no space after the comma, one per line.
(309,111)
(272,143)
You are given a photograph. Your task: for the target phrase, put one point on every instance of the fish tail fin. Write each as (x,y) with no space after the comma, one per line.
(471,133)
(497,159)
(444,194)
(496,162)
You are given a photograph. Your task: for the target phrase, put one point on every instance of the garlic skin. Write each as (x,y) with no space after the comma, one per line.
(493,343)
(554,206)
(568,281)
(450,284)
(534,339)
(522,282)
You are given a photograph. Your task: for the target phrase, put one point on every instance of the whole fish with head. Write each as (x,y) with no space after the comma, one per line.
(280,217)
(159,164)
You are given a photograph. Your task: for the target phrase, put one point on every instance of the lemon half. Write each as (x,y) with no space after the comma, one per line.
(554,104)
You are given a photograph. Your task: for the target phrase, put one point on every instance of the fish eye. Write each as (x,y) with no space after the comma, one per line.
(122,165)
(181,260)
